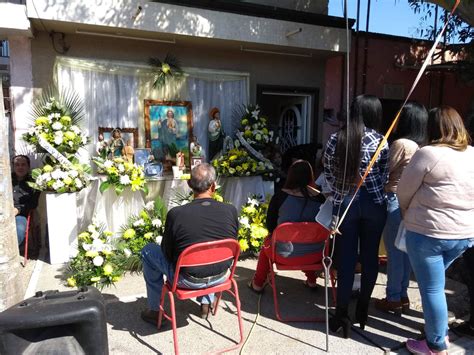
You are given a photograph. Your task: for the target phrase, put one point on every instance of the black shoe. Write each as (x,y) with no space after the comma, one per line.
(465,328)
(150,316)
(362,313)
(340,322)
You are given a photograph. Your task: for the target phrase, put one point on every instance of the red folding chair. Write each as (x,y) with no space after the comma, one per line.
(304,233)
(29,225)
(201,254)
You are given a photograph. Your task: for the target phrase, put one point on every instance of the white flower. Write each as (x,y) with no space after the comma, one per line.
(139,222)
(73,173)
(156,223)
(91,228)
(84,140)
(121,168)
(95,235)
(150,205)
(70,143)
(108,164)
(127,252)
(58,139)
(48,106)
(56,115)
(57,126)
(75,129)
(107,248)
(237,143)
(255,112)
(244,221)
(255,127)
(73,252)
(98,260)
(78,183)
(253,202)
(125,180)
(87,247)
(159,239)
(97,245)
(58,184)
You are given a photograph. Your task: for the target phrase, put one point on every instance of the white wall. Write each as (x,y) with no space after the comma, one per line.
(315,6)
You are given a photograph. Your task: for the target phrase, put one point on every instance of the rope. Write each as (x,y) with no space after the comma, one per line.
(253,325)
(395,120)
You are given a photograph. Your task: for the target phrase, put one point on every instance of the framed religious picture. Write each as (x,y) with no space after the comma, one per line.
(142,156)
(116,139)
(196,161)
(168,130)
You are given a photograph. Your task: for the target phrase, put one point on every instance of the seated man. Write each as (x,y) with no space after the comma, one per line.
(201,220)
(25,198)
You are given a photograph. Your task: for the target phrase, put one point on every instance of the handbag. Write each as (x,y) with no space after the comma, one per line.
(401,239)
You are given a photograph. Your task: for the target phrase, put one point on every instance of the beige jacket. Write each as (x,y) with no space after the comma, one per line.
(401,152)
(436,193)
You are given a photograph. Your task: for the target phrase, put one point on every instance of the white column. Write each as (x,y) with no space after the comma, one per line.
(21,89)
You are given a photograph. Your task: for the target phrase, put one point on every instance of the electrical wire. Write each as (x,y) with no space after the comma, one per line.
(253,325)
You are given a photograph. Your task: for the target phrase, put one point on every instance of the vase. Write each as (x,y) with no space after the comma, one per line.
(62,226)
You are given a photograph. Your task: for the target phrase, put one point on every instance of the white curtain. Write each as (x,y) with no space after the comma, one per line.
(114,92)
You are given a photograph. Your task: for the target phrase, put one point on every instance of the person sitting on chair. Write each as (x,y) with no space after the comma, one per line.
(201,220)
(298,201)
(25,198)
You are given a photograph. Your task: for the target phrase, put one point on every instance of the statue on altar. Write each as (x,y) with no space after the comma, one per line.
(116,143)
(180,160)
(195,148)
(128,151)
(102,147)
(215,133)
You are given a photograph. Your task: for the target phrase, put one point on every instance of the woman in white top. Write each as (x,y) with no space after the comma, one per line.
(436,195)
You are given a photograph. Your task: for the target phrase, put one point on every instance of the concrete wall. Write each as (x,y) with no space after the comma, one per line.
(263,68)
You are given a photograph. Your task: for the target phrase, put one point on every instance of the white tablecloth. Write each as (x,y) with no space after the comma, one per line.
(114,210)
(238,189)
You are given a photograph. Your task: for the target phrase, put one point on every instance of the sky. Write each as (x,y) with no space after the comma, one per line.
(394,17)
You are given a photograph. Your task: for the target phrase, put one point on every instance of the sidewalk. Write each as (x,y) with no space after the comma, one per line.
(128,334)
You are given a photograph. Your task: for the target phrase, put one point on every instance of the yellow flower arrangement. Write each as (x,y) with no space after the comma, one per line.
(252,231)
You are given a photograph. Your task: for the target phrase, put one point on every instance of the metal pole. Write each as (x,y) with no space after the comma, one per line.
(366,49)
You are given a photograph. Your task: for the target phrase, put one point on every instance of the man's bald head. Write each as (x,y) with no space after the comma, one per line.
(202,178)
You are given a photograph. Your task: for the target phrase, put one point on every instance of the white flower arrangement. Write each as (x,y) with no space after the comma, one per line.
(254,128)
(60,178)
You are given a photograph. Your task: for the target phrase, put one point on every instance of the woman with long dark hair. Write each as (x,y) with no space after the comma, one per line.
(436,195)
(347,155)
(409,135)
(298,201)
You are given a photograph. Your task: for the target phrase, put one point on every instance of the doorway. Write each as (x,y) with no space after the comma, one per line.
(292,113)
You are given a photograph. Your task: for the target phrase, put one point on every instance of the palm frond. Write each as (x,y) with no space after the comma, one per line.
(173,62)
(160,208)
(154,62)
(133,263)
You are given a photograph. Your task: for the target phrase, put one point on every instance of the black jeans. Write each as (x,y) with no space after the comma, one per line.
(361,232)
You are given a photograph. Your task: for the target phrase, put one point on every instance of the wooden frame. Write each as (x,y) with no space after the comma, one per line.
(126,134)
(168,129)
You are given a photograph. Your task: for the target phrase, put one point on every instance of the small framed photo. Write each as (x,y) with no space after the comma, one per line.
(126,134)
(142,156)
(196,161)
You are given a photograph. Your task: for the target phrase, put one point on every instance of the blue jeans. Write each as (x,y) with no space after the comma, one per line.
(21,222)
(361,230)
(430,257)
(398,262)
(156,265)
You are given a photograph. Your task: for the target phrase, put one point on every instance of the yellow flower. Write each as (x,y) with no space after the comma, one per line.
(218,198)
(95,279)
(232,157)
(248,134)
(108,268)
(148,235)
(245,166)
(129,234)
(238,168)
(65,120)
(83,235)
(250,209)
(243,245)
(108,233)
(255,243)
(70,135)
(231,170)
(258,232)
(91,254)
(67,180)
(41,120)
(116,278)
(165,68)
(71,282)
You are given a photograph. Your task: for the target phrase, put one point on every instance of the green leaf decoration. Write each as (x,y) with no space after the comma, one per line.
(119,189)
(163,70)
(104,186)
